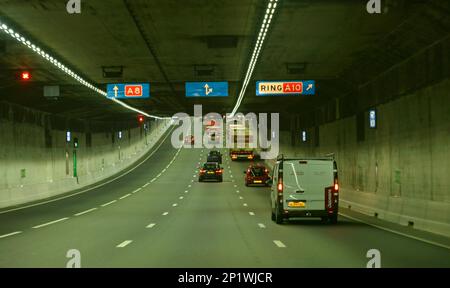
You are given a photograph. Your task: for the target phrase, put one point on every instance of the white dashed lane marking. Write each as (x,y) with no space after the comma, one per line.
(10,234)
(109,203)
(279,244)
(261,225)
(165,213)
(84,212)
(174,204)
(124,243)
(50,223)
(251,213)
(151,225)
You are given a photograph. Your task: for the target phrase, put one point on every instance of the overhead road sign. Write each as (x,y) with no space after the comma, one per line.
(285,88)
(206,89)
(128,90)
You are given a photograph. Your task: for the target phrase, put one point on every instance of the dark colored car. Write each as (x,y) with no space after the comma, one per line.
(210,171)
(214,156)
(256,175)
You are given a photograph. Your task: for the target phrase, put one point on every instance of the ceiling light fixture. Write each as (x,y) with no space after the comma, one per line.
(8,30)
(271,8)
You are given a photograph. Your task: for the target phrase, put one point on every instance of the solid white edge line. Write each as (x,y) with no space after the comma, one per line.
(137,190)
(10,234)
(153,180)
(396,232)
(50,223)
(109,203)
(96,186)
(84,212)
(279,244)
(124,243)
(145,185)
(151,225)
(125,196)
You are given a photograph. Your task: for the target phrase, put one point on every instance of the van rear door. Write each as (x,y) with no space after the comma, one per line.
(304,183)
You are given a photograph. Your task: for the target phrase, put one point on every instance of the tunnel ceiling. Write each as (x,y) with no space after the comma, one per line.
(168,42)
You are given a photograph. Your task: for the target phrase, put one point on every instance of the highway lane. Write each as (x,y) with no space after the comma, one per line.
(175,221)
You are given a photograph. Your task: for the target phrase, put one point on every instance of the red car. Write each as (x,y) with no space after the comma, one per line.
(256,175)
(189,140)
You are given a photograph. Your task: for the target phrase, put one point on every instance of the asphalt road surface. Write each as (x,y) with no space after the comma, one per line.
(159,215)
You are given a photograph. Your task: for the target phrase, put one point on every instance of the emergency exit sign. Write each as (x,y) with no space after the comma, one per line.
(282,88)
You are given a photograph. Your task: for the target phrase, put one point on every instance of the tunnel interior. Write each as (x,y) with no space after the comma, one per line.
(365,83)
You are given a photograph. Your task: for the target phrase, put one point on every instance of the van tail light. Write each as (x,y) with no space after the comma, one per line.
(332,198)
(336,187)
(219,171)
(280,189)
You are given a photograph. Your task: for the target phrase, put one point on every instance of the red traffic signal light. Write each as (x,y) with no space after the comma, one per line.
(25,75)
(141,119)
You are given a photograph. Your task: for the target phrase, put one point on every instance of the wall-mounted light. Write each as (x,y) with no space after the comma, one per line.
(373,118)
(304,136)
(68,136)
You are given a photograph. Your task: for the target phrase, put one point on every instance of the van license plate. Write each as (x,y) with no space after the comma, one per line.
(257,181)
(296,204)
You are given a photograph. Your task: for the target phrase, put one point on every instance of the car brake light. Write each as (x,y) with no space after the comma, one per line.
(202,171)
(219,171)
(280,187)
(336,187)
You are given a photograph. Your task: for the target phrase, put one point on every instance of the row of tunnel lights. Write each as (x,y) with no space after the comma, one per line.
(65,69)
(271,7)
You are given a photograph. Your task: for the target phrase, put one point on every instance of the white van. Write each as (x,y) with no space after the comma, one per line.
(305,187)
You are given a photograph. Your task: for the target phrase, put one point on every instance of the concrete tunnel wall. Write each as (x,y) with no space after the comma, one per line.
(30,171)
(401,170)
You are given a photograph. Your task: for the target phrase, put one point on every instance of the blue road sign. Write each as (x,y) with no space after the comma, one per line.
(285,88)
(206,89)
(128,90)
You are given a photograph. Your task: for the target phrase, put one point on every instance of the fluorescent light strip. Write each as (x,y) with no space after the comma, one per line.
(52,60)
(271,7)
